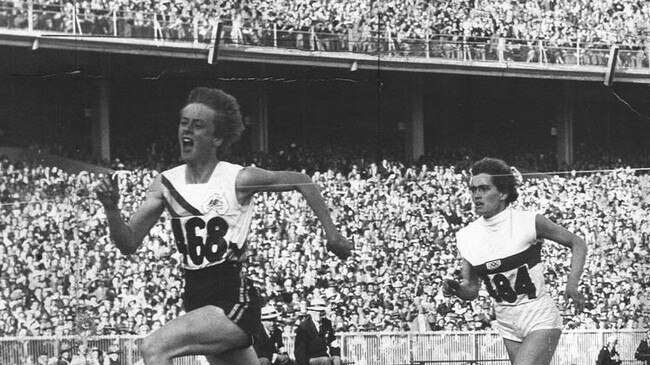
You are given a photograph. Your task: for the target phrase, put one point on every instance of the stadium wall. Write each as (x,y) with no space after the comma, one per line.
(576,347)
(322,59)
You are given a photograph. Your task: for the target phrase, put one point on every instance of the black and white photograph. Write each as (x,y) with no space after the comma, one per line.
(324,182)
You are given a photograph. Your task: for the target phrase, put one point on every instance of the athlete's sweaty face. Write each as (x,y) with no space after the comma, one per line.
(488,200)
(196,132)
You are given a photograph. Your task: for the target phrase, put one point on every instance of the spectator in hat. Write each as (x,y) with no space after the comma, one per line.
(643,350)
(315,340)
(96,356)
(80,357)
(65,354)
(269,347)
(608,355)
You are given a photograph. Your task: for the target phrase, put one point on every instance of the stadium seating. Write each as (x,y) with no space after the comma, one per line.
(560,32)
(61,275)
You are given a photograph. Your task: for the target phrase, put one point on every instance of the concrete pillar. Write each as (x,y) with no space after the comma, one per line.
(414,133)
(565,127)
(100,119)
(260,122)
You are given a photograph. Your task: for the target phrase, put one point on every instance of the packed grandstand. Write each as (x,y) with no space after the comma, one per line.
(61,275)
(543,30)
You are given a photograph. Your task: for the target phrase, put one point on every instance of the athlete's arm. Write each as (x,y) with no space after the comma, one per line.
(549,230)
(128,237)
(251,180)
(468,288)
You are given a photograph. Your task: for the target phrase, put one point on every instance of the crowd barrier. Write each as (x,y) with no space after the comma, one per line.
(159,26)
(576,347)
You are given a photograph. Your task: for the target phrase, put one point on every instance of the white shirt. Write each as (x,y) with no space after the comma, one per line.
(506,254)
(209,224)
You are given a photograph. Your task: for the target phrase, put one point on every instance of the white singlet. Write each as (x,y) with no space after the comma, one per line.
(506,254)
(209,224)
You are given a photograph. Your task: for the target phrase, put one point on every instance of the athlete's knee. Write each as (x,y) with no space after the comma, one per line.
(152,350)
(264,361)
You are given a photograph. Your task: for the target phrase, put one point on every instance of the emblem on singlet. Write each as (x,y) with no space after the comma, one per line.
(217,202)
(493,265)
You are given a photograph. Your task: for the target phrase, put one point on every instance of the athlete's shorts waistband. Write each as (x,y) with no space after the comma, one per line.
(215,270)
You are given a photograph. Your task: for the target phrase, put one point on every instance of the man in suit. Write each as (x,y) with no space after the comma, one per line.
(269,346)
(65,354)
(315,340)
(643,350)
(608,354)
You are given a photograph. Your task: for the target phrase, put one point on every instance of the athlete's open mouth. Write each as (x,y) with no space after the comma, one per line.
(187,142)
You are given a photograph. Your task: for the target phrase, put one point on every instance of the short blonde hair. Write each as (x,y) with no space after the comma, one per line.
(228,121)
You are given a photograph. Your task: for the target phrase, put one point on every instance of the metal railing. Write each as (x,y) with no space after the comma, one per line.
(171,27)
(578,347)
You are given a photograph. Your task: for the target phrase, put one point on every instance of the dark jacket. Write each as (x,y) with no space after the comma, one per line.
(311,343)
(606,357)
(266,345)
(643,349)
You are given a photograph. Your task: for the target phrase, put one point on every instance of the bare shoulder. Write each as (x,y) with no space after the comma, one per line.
(544,225)
(250,174)
(251,179)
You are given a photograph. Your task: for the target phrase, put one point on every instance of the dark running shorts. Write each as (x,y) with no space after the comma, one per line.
(226,287)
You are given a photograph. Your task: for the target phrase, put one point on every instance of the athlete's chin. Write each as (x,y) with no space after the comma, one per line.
(187,157)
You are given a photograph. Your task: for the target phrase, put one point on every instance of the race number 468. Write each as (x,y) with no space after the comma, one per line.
(199,240)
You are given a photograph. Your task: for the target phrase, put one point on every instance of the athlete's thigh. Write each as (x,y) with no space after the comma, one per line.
(538,347)
(513,349)
(323,360)
(245,356)
(203,331)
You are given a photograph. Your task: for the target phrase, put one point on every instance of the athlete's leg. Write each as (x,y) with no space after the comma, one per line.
(237,357)
(513,349)
(323,360)
(538,347)
(204,331)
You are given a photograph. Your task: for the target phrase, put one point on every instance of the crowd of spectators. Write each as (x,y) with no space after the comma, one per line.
(562,25)
(61,275)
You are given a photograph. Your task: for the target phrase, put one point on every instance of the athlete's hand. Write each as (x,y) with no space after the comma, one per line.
(339,246)
(108,192)
(577,298)
(450,287)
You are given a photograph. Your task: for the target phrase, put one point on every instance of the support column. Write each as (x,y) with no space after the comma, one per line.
(565,127)
(260,122)
(414,134)
(100,117)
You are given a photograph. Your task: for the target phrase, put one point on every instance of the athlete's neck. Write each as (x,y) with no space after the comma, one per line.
(199,172)
(490,216)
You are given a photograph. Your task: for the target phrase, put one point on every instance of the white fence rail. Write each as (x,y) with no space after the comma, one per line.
(576,347)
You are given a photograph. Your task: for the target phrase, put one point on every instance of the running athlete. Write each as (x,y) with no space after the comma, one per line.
(502,248)
(211,205)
